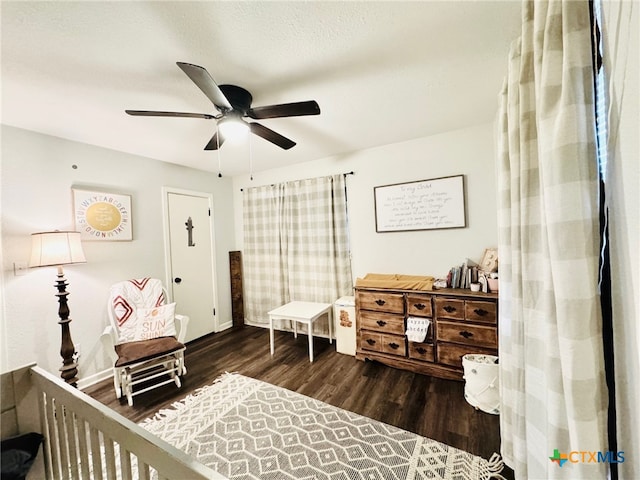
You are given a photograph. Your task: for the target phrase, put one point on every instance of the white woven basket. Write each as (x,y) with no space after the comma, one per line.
(481,387)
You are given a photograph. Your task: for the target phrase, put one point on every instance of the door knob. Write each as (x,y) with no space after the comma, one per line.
(177,279)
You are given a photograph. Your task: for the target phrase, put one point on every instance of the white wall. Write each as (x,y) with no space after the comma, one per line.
(622,58)
(37,177)
(469,151)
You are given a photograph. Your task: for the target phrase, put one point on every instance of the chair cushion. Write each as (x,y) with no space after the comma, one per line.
(155,322)
(134,352)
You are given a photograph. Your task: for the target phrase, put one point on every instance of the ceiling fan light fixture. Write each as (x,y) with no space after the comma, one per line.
(233,128)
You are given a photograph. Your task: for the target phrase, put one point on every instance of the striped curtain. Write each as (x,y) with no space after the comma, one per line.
(553,391)
(296,246)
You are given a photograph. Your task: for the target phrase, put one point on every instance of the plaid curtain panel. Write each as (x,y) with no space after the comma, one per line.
(553,392)
(296,246)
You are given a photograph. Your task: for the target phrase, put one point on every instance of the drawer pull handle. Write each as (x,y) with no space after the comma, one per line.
(380,302)
(421,350)
(394,345)
(420,306)
(481,312)
(466,334)
(449,308)
(370,341)
(381,323)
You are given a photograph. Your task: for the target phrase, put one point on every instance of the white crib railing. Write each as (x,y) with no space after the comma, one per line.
(86,440)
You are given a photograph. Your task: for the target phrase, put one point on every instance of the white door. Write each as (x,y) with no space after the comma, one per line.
(191,259)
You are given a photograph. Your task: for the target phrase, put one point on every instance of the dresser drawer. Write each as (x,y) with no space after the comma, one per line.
(476,335)
(419,305)
(381,322)
(450,308)
(381,302)
(371,341)
(421,351)
(378,342)
(393,344)
(451,354)
(481,312)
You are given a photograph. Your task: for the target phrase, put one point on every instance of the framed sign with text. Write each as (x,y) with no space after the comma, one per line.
(102,216)
(421,205)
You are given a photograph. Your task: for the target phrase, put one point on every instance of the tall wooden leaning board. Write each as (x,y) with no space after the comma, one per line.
(237,291)
(462,322)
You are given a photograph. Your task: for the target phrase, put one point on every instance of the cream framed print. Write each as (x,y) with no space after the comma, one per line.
(421,205)
(102,216)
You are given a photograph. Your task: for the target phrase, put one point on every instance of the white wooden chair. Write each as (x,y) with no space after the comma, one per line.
(145,337)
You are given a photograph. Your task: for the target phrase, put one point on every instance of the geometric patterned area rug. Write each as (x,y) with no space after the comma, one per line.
(247,429)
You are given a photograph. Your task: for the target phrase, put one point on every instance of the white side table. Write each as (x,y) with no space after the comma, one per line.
(300,312)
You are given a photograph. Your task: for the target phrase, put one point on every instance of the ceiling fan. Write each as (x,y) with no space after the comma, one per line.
(233,104)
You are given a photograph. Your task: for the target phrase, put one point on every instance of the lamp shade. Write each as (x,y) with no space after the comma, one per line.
(56,248)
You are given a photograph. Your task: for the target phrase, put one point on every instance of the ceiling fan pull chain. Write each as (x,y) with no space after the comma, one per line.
(250,158)
(218,149)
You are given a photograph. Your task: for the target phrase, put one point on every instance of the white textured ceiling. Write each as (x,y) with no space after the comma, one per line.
(382,72)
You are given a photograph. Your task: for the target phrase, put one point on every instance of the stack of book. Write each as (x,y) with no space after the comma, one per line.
(462,276)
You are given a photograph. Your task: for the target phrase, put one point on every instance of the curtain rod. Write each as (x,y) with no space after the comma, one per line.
(344,174)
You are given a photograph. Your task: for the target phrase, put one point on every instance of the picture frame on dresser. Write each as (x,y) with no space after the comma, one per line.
(432,204)
(489,262)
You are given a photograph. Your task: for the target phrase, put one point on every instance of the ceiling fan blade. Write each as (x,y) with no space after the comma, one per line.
(148,113)
(270,135)
(205,82)
(214,143)
(296,109)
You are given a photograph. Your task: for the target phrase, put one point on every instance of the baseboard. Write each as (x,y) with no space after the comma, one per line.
(95,378)
(225,326)
(261,325)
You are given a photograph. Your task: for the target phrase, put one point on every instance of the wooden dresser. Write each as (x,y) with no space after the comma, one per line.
(462,322)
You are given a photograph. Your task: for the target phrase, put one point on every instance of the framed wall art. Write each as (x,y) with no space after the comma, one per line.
(102,216)
(421,205)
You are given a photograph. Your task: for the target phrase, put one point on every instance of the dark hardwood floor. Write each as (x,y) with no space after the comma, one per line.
(428,406)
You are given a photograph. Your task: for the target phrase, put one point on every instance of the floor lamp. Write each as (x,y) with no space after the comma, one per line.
(58,249)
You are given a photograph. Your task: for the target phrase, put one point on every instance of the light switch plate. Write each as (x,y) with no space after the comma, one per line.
(20,268)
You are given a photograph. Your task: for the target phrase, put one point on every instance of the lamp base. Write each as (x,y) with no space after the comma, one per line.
(69,369)
(69,373)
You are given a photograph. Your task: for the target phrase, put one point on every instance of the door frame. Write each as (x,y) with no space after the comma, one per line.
(167,244)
